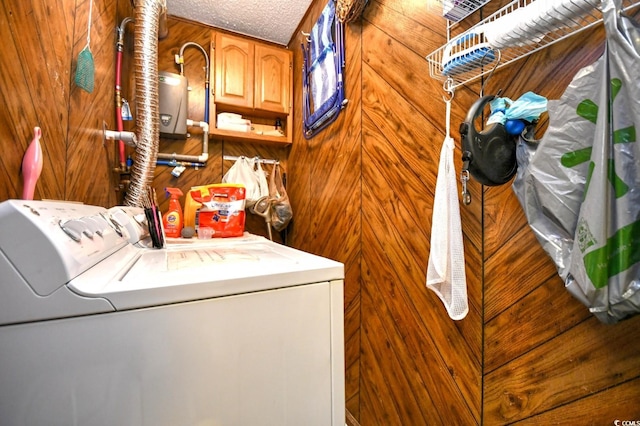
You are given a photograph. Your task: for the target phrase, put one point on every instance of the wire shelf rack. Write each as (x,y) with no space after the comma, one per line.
(457,10)
(511,34)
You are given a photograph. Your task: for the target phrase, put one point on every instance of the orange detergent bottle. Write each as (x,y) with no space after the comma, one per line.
(172,219)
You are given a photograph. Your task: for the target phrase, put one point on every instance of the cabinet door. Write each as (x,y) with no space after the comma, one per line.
(234,68)
(273,75)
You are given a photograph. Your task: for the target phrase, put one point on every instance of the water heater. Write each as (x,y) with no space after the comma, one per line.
(173,103)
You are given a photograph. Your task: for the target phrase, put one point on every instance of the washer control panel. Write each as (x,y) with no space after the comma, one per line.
(52,242)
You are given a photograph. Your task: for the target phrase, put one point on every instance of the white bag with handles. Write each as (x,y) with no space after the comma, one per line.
(248,172)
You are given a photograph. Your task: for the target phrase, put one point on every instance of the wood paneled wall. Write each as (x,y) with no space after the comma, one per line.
(527,353)
(42,42)
(368,181)
(326,190)
(362,193)
(547,360)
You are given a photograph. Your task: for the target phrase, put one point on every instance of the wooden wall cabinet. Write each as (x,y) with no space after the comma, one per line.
(253,79)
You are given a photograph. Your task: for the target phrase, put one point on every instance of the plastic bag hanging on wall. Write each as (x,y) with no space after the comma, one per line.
(579,190)
(248,172)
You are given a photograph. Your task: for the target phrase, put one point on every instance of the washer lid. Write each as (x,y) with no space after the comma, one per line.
(209,269)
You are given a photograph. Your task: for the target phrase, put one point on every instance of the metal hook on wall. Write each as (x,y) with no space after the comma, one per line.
(255,158)
(449,88)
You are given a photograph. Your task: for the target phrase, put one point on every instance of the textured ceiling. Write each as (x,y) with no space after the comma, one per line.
(270,20)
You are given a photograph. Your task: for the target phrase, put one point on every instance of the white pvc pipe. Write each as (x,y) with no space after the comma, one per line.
(193,158)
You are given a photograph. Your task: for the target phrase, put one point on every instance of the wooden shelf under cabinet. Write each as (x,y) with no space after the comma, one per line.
(232,136)
(255,80)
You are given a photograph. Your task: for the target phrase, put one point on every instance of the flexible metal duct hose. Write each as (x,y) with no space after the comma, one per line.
(147,14)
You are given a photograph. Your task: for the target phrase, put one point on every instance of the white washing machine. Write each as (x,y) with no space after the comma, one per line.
(98,329)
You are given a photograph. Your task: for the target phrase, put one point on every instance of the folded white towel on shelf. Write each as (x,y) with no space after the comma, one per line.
(236,127)
(232,118)
(234,122)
